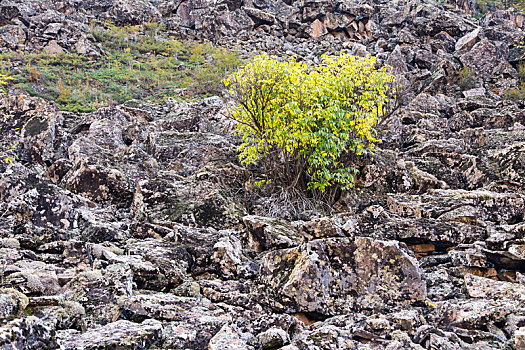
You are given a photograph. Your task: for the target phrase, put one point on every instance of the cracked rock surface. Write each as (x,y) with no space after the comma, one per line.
(123,229)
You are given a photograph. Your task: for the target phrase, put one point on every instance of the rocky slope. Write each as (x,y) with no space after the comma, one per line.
(123,228)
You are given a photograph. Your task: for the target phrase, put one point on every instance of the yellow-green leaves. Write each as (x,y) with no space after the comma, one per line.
(8,155)
(3,82)
(303,122)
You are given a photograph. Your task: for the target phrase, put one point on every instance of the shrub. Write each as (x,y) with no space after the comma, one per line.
(304,124)
(515,95)
(466,78)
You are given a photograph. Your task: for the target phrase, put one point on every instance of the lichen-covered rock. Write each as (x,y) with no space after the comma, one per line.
(467,41)
(192,202)
(230,262)
(273,338)
(28,333)
(34,278)
(476,313)
(337,275)
(320,228)
(267,233)
(228,339)
(480,287)
(483,57)
(166,306)
(60,313)
(114,221)
(12,302)
(169,261)
(118,335)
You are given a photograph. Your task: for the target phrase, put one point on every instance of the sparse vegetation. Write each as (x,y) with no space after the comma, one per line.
(521,71)
(466,78)
(3,82)
(136,62)
(481,7)
(8,152)
(304,124)
(517,94)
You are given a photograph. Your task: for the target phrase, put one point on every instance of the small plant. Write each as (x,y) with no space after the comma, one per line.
(209,78)
(466,78)
(515,95)
(33,74)
(521,71)
(304,124)
(3,82)
(8,154)
(153,28)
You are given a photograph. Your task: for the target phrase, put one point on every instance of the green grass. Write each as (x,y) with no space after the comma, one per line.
(137,63)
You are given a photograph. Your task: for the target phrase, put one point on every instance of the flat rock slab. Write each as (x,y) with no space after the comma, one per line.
(476,313)
(169,307)
(118,335)
(481,287)
(459,206)
(336,275)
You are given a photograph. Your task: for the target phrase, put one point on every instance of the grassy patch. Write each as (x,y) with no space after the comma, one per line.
(137,63)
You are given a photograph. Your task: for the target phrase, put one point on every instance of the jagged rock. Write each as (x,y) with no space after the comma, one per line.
(467,41)
(476,313)
(27,333)
(510,161)
(267,233)
(12,37)
(483,57)
(469,256)
(185,314)
(480,287)
(34,278)
(273,338)
(191,202)
(60,313)
(227,255)
(99,291)
(320,228)
(118,335)
(12,302)
(460,205)
(187,153)
(260,16)
(166,307)
(317,29)
(169,261)
(336,275)
(228,339)
(474,92)
(134,213)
